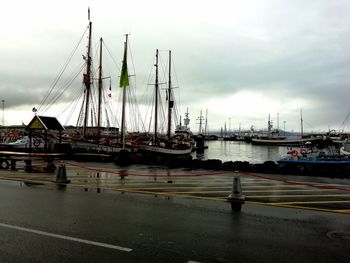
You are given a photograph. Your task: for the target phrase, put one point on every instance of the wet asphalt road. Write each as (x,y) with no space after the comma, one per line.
(39,224)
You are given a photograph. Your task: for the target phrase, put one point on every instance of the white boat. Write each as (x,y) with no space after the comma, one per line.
(345,147)
(24,144)
(166,150)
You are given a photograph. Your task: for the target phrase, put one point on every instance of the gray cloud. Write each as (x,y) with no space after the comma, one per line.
(289,51)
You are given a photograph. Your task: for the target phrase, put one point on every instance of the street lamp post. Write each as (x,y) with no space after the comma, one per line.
(284,127)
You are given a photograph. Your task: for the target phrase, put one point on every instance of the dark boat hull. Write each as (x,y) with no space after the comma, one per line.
(285,142)
(317,167)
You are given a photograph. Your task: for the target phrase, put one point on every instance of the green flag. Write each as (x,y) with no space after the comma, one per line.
(124,77)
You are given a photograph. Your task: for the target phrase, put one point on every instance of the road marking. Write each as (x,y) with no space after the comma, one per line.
(310,202)
(249,191)
(306,208)
(344,211)
(291,196)
(261,190)
(43,233)
(288,190)
(273,186)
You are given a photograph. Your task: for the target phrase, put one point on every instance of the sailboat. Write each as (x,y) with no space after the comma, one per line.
(90,139)
(89,135)
(169,145)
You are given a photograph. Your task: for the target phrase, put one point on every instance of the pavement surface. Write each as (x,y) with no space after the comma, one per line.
(149,214)
(326,194)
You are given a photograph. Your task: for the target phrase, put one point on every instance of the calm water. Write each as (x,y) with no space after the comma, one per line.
(241,151)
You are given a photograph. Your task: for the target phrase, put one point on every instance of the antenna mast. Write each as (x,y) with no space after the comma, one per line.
(99,94)
(87,79)
(156,100)
(170,101)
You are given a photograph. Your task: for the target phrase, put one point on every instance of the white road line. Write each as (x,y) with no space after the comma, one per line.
(191,261)
(89,242)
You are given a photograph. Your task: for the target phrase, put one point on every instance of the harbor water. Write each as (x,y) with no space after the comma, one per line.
(241,151)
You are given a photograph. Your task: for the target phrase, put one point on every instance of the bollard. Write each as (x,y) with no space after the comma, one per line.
(61,176)
(13,165)
(123,174)
(28,167)
(236,198)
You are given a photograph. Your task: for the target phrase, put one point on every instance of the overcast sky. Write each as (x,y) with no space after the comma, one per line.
(240,59)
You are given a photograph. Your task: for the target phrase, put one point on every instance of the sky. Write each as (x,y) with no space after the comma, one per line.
(241,60)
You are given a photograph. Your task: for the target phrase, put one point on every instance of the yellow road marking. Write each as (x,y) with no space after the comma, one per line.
(168,194)
(197,192)
(306,208)
(344,211)
(291,196)
(82,180)
(274,186)
(311,202)
(229,190)
(288,190)
(300,207)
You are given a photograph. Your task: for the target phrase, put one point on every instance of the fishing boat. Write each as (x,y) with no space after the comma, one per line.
(309,159)
(166,144)
(273,138)
(284,142)
(345,147)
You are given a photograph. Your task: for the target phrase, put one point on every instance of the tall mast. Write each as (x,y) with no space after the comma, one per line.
(225,131)
(301,124)
(206,122)
(87,80)
(124,93)
(156,100)
(200,122)
(186,119)
(170,101)
(99,93)
(269,126)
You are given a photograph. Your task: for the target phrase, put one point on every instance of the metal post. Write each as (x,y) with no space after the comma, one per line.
(61,176)
(236,184)
(236,198)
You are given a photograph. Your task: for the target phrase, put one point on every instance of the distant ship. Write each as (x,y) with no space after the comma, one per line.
(273,138)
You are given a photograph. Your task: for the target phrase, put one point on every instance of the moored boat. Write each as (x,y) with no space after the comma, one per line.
(285,141)
(179,144)
(274,138)
(311,160)
(89,135)
(23,143)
